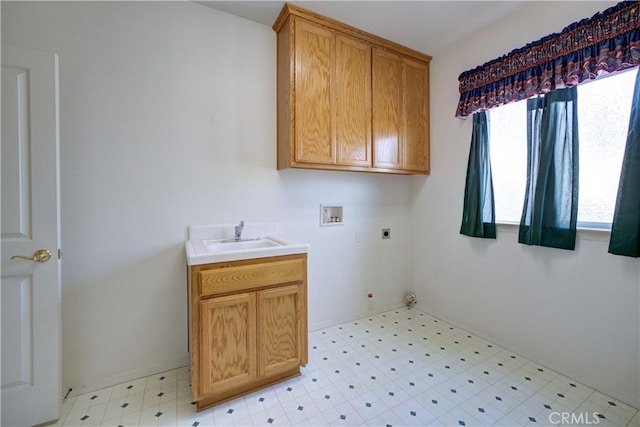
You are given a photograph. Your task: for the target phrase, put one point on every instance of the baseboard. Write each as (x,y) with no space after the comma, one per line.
(353,316)
(128,376)
(139,373)
(617,394)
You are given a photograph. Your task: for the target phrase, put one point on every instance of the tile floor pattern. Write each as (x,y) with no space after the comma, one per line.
(399,368)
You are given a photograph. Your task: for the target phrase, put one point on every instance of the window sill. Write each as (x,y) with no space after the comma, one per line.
(585,233)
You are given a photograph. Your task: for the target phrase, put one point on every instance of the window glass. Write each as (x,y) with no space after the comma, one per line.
(508,145)
(604,106)
(603,122)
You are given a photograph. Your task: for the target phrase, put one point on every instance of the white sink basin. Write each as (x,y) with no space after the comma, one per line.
(233,245)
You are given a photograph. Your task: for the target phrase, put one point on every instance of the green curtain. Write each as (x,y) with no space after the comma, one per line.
(478,216)
(550,212)
(625,230)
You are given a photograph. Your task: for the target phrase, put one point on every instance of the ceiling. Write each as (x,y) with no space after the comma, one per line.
(427,26)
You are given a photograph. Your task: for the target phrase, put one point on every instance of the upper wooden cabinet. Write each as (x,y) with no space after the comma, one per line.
(349,100)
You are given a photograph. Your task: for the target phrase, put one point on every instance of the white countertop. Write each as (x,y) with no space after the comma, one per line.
(201,236)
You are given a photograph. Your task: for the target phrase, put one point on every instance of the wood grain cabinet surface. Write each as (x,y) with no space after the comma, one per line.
(247,325)
(349,100)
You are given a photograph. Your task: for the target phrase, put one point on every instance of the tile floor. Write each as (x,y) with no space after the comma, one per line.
(402,367)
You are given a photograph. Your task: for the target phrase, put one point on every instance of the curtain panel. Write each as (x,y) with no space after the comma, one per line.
(607,42)
(478,214)
(625,230)
(550,212)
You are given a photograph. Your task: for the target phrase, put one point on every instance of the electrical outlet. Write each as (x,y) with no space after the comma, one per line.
(386,233)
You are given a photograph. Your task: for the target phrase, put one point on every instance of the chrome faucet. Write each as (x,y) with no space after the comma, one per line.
(239,228)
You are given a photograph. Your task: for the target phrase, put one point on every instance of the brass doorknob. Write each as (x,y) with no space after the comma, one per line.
(41,255)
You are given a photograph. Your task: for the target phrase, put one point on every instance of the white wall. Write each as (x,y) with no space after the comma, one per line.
(576,312)
(168,119)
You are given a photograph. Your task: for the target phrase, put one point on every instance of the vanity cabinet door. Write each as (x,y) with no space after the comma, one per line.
(282,316)
(227,342)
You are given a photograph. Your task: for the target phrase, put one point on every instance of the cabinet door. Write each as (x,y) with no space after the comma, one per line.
(387,114)
(353,102)
(314,112)
(227,342)
(282,329)
(415,107)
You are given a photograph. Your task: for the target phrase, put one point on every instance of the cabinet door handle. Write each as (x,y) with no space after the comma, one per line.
(41,255)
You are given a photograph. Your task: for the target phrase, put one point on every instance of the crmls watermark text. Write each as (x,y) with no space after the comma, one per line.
(582,418)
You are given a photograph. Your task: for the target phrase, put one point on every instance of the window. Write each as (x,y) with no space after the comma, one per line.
(604,107)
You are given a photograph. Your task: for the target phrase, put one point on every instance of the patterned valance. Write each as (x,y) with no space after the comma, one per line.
(607,42)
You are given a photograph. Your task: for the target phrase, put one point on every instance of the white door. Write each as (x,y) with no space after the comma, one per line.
(31,354)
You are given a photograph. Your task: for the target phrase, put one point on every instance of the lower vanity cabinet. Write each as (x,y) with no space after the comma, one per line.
(248,325)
